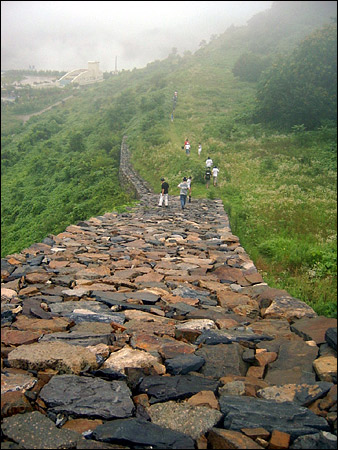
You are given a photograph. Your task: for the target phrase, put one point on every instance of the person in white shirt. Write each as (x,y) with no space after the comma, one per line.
(208,162)
(184,189)
(215,171)
(199,149)
(189,184)
(187,147)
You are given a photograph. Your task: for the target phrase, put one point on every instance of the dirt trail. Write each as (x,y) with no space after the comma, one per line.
(26,117)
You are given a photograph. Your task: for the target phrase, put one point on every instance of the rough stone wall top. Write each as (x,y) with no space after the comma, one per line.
(154,328)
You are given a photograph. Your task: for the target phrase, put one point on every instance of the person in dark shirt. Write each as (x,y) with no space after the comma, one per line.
(164,195)
(207,177)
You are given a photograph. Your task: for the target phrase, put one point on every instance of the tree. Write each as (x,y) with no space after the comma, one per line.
(302,88)
(249,66)
(75,142)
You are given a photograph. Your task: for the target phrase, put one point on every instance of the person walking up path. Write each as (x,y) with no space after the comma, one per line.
(215,171)
(164,195)
(187,146)
(199,150)
(184,188)
(207,176)
(189,184)
(208,162)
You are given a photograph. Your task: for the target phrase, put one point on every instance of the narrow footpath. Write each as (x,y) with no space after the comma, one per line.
(153,329)
(26,117)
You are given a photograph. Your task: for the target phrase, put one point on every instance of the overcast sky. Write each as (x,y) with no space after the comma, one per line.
(66,35)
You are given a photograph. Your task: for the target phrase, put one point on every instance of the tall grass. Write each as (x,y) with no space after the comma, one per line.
(278,189)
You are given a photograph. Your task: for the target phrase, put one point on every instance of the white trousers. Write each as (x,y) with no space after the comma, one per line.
(164,197)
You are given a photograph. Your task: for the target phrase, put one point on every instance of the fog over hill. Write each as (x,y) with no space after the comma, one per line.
(65,35)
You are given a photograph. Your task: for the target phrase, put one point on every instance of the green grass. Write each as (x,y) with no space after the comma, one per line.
(279,189)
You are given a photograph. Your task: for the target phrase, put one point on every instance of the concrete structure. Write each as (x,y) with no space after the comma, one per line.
(83,76)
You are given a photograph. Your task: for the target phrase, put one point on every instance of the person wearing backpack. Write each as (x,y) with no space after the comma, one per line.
(207,176)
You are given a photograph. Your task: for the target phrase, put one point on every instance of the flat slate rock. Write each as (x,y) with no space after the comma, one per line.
(313,329)
(183,364)
(222,360)
(142,434)
(34,430)
(213,337)
(316,441)
(87,397)
(161,389)
(79,338)
(249,412)
(287,370)
(331,337)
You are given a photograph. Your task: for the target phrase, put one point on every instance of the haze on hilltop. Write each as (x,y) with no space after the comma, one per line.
(61,35)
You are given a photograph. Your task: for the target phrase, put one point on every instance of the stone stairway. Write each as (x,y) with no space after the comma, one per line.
(153,329)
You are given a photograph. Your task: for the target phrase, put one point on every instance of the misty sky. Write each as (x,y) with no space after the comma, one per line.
(66,35)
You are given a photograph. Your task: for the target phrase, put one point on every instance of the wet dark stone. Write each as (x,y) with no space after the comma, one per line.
(183,364)
(120,299)
(286,369)
(36,260)
(222,360)
(208,301)
(249,412)
(48,241)
(186,292)
(331,337)
(146,297)
(108,374)
(79,338)
(31,307)
(161,389)
(105,318)
(140,433)
(210,337)
(316,441)
(7,317)
(213,337)
(20,271)
(87,397)
(90,444)
(5,265)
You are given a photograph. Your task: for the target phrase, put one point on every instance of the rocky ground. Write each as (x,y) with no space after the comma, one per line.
(153,329)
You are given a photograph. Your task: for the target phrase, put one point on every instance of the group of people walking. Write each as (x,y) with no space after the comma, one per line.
(185,186)
(187,147)
(210,171)
(185,192)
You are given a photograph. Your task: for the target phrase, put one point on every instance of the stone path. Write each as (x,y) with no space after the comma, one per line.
(153,329)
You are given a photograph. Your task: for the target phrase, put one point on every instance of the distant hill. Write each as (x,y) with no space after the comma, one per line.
(279,28)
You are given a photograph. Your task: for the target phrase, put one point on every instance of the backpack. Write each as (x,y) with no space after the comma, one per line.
(207,174)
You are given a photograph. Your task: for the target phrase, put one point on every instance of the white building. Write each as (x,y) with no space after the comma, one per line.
(83,76)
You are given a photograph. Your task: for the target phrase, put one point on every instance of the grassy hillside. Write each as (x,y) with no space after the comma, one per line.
(279,189)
